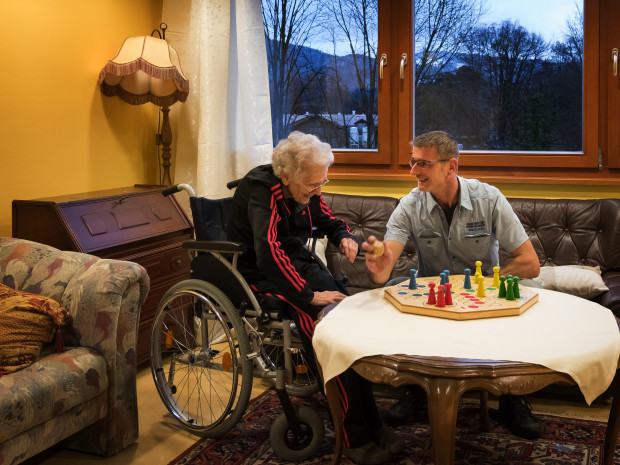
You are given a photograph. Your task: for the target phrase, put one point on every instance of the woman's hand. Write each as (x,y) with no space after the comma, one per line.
(326,297)
(349,248)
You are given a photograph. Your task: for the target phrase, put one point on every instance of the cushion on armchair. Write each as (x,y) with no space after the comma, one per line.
(27,321)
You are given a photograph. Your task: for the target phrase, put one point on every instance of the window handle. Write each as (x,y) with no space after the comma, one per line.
(614,54)
(403,63)
(382,63)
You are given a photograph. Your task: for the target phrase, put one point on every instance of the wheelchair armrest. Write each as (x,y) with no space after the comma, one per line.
(215,246)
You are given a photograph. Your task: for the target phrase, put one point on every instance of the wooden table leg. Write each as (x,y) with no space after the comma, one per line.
(331,392)
(613,423)
(485,422)
(443,402)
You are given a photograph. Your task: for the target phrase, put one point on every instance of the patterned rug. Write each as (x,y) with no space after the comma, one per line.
(564,440)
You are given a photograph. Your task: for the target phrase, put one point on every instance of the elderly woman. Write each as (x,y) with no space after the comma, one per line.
(276,208)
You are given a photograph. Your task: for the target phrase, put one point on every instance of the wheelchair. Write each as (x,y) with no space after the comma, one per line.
(212,336)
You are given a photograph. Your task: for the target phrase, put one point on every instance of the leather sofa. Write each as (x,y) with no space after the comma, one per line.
(85,395)
(563,232)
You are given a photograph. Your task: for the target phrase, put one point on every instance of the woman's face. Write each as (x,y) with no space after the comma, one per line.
(306,184)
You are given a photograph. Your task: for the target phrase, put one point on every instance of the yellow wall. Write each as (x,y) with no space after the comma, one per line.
(59,134)
(399,189)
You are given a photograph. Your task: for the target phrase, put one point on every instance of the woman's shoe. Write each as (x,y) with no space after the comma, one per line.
(368,454)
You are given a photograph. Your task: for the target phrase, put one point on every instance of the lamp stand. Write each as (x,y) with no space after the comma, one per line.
(166,140)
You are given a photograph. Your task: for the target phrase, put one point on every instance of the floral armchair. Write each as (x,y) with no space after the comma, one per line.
(85,395)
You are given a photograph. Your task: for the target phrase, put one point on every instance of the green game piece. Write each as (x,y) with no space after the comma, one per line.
(502,287)
(515,288)
(509,289)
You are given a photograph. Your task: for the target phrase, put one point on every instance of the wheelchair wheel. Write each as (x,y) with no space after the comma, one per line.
(304,382)
(199,362)
(291,449)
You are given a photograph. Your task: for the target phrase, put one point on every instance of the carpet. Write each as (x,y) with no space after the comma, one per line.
(563,441)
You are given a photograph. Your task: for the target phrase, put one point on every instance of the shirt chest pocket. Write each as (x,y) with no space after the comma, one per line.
(477,244)
(428,239)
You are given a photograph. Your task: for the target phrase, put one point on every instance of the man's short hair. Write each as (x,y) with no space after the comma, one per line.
(298,152)
(445,144)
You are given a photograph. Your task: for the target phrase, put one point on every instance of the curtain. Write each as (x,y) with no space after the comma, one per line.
(224,128)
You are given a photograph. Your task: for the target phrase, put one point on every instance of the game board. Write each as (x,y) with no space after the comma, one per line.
(466,306)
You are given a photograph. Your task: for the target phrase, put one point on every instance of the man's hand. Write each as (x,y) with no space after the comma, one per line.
(380,265)
(376,263)
(348,247)
(327,297)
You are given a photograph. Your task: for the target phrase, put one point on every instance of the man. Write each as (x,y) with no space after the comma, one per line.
(275,209)
(453,223)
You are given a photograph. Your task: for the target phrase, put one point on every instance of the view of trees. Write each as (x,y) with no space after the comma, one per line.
(494,86)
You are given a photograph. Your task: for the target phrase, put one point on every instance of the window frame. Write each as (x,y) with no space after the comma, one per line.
(390,160)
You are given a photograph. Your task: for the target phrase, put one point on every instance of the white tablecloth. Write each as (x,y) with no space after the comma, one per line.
(562,332)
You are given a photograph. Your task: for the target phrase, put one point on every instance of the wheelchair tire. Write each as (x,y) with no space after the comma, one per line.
(283,440)
(304,384)
(199,358)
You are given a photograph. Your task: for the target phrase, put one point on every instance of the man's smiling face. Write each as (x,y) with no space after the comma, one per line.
(431,173)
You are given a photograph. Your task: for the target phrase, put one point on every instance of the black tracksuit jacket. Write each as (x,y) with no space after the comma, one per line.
(275,231)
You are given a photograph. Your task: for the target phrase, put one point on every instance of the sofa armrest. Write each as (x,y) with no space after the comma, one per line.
(105,302)
(611,298)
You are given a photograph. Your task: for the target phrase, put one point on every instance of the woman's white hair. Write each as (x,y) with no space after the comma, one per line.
(298,152)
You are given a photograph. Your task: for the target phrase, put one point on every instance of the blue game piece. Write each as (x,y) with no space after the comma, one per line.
(447,272)
(412,283)
(443,279)
(467,282)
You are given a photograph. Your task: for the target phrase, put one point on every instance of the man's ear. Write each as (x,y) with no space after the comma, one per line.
(454,165)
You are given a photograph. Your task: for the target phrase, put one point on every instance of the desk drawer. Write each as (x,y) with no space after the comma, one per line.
(165,265)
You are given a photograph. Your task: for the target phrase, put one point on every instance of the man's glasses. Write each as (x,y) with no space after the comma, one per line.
(423,163)
(316,187)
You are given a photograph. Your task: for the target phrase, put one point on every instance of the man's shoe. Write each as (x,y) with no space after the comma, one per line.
(516,413)
(387,439)
(368,454)
(404,410)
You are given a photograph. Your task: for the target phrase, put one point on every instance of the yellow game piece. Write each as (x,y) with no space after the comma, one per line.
(478,269)
(377,248)
(496,276)
(480,291)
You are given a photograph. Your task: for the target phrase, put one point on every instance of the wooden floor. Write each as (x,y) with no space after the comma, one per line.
(161,440)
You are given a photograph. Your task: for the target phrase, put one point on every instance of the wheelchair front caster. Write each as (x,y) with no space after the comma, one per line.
(295,449)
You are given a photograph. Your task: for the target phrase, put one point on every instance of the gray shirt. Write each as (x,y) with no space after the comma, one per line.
(482,221)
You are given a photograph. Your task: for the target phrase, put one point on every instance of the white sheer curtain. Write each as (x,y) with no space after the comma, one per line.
(224,128)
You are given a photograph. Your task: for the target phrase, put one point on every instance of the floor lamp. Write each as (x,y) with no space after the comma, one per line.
(147,69)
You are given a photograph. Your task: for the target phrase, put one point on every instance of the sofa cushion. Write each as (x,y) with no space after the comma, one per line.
(27,321)
(50,386)
(571,232)
(582,281)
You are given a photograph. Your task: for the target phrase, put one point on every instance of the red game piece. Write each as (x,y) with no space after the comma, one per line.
(431,294)
(449,294)
(441,300)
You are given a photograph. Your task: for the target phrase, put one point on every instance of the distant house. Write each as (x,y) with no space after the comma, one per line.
(348,130)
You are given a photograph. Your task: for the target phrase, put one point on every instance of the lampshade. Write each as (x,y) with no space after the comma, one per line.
(145,69)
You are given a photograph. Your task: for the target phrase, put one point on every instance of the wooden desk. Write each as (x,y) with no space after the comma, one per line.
(137,224)
(445,380)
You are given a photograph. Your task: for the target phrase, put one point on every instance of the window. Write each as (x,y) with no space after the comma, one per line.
(519,102)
